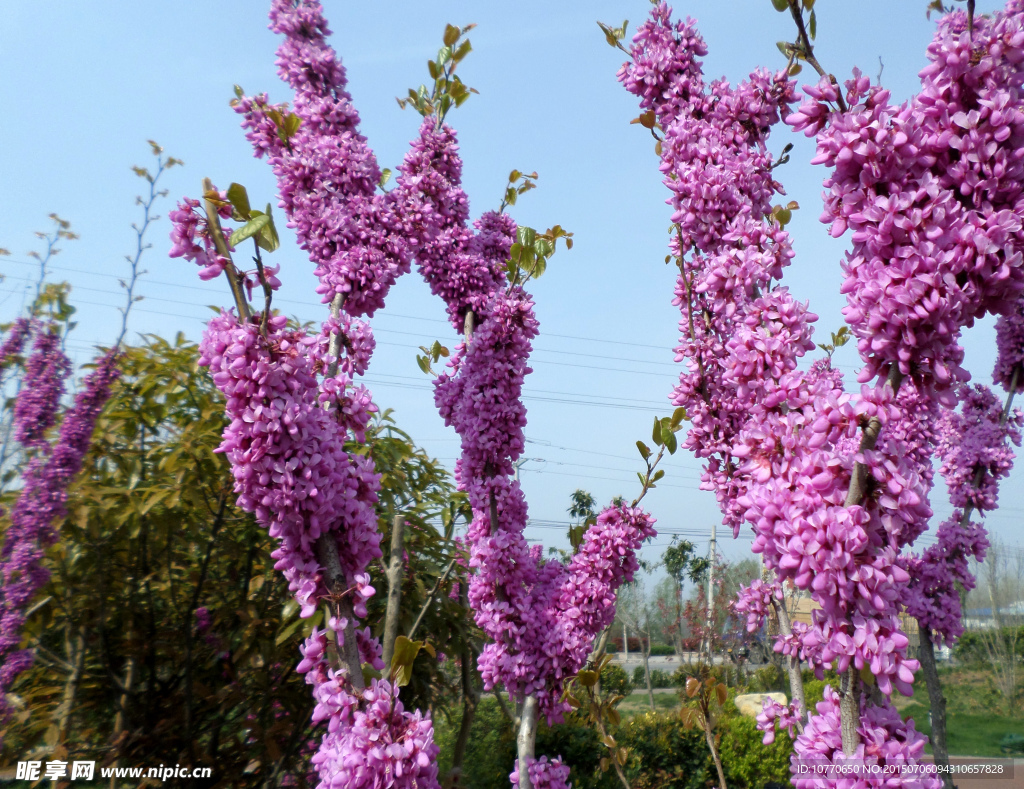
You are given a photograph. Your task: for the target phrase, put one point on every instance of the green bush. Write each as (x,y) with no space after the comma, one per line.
(768,679)
(970,648)
(747,761)
(664,753)
(580,748)
(491,752)
(662,650)
(659,678)
(614,679)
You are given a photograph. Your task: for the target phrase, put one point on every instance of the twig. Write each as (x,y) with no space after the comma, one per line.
(268,292)
(807,51)
(430,598)
(213,222)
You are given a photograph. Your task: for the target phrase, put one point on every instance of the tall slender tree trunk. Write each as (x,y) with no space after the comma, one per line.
(394,587)
(76,653)
(796,677)
(526,739)
(470,700)
(940,751)
(121,719)
(646,653)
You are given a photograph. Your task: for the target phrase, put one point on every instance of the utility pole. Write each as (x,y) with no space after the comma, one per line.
(709,620)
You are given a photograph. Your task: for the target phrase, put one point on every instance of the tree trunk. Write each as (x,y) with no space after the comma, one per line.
(76,655)
(526,740)
(714,755)
(646,653)
(394,588)
(121,719)
(470,700)
(796,677)
(926,654)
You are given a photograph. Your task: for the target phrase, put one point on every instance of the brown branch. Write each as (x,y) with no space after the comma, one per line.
(213,222)
(807,51)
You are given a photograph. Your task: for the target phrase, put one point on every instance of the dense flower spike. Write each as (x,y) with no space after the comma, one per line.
(972,448)
(888,744)
(326,173)
(931,190)
(286,448)
(541,615)
(782,446)
(938,576)
(14,341)
(1009,372)
(371,741)
(35,410)
(40,504)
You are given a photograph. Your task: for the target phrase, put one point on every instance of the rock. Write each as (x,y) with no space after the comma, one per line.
(751,704)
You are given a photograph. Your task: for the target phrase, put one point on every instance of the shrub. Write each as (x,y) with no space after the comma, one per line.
(614,679)
(662,650)
(748,762)
(664,753)
(659,678)
(768,679)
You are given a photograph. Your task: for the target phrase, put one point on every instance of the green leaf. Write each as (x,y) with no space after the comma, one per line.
(249,229)
(645,451)
(813,26)
(405,654)
(670,441)
(656,433)
(587,678)
(526,236)
(678,416)
(290,125)
(385,176)
(239,198)
(451,35)
(781,5)
(287,633)
(464,49)
(658,475)
(267,238)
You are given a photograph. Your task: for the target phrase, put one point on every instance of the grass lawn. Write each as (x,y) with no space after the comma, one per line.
(968,735)
(976,719)
(637,703)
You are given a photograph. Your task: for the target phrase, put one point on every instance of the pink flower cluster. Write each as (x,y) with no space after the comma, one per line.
(188,222)
(45,480)
(756,602)
(544,774)
(288,427)
(14,341)
(773,714)
(937,577)
(782,445)
(370,736)
(1009,371)
(931,190)
(38,403)
(887,745)
(972,448)
(542,616)
(326,173)
(286,448)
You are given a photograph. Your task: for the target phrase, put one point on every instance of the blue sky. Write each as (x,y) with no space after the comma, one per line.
(84,86)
